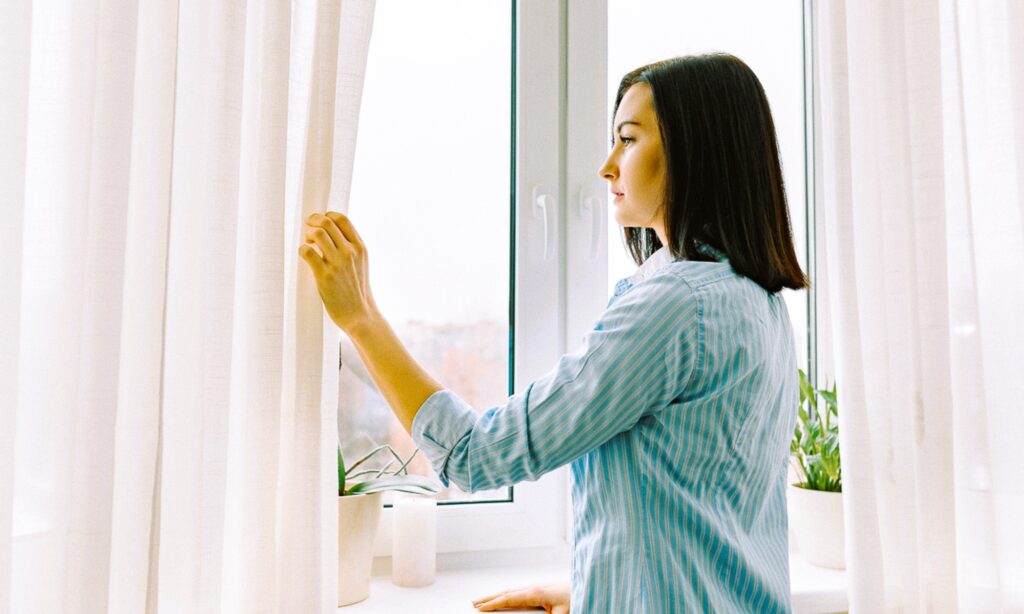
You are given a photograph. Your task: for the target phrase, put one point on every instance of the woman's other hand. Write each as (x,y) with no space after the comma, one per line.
(553,598)
(341,268)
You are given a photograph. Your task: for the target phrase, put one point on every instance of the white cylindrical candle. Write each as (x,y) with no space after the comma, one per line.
(414,541)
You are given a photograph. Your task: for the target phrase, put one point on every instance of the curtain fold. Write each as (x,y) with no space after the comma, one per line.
(169,428)
(15,48)
(922,114)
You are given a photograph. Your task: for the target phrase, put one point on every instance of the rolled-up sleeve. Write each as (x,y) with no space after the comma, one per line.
(639,357)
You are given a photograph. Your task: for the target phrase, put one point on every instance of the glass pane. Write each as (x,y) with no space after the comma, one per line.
(768,36)
(431,198)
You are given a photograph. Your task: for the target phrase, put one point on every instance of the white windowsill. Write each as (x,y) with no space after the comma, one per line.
(463,577)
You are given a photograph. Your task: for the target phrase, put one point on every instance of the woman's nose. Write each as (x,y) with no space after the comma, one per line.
(607,170)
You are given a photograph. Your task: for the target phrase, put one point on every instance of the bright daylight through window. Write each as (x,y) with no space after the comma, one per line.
(430,193)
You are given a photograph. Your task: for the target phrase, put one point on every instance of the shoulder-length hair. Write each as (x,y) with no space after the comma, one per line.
(724,185)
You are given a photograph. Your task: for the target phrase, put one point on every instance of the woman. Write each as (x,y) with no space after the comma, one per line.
(677,413)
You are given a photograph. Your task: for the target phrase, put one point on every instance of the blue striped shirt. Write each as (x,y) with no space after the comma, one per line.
(676,417)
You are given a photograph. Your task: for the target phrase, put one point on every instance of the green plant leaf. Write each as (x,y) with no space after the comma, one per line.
(802,414)
(815,443)
(807,391)
(415,484)
(800,385)
(830,446)
(831,409)
(383,478)
(341,473)
(830,399)
(370,455)
(380,448)
(403,470)
(830,466)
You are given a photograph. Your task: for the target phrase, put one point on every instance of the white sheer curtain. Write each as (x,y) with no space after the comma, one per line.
(922,174)
(167,378)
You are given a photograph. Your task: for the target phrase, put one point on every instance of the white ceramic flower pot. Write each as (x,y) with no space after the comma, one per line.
(358,517)
(816,518)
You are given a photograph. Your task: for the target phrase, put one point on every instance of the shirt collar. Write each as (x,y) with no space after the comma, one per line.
(658,260)
(652,265)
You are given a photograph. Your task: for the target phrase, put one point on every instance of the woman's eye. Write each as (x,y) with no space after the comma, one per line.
(626,139)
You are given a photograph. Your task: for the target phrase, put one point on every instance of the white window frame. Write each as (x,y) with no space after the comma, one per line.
(587,130)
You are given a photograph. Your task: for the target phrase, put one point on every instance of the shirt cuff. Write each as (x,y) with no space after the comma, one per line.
(440,423)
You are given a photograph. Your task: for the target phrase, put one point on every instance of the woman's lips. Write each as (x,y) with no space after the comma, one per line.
(618,197)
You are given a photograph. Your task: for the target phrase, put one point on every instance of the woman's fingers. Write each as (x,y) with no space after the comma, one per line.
(326,234)
(345,226)
(323,241)
(552,597)
(528,597)
(338,237)
(477,602)
(310,255)
(509,600)
(498,594)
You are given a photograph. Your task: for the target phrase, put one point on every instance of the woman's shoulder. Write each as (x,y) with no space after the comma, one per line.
(689,280)
(712,284)
(697,274)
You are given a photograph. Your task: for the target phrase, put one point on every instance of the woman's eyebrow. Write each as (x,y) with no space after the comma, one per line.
(623,123)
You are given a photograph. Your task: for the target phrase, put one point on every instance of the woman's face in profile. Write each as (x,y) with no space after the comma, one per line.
(635,168)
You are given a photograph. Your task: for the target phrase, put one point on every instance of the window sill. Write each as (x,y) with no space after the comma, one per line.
(463,577)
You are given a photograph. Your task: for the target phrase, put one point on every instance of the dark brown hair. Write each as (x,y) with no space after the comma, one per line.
(724,184)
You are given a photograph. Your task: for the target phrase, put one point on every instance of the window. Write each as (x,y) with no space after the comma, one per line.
(482,128)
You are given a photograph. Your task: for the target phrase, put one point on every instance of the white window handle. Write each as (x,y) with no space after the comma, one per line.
(590,205)
(544,206)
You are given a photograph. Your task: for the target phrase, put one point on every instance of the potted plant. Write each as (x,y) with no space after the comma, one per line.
(359,505)
(816,501)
